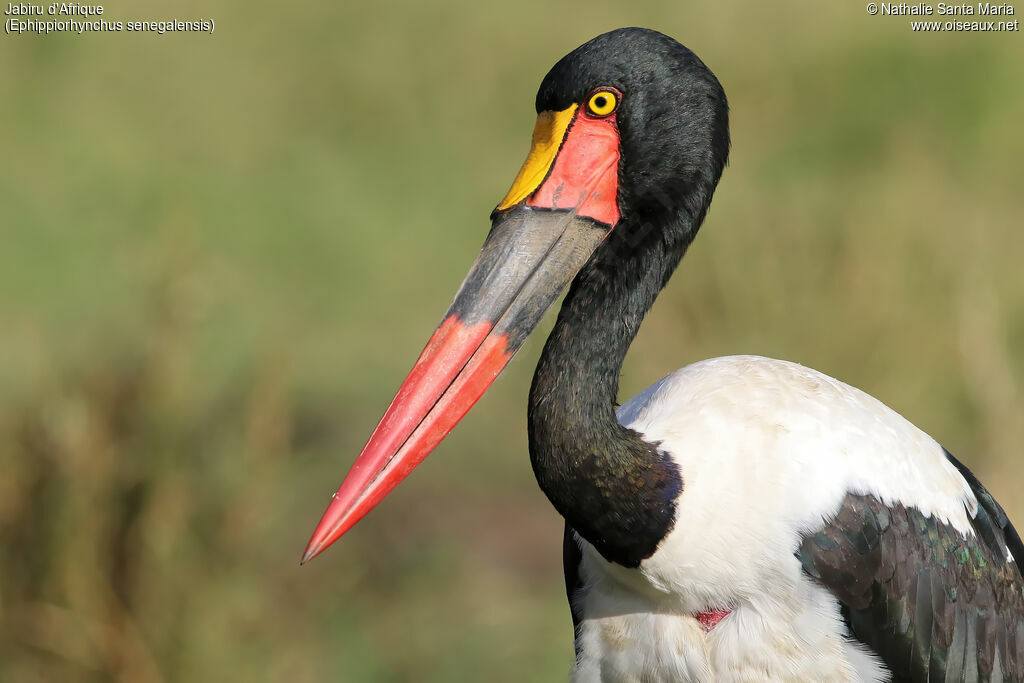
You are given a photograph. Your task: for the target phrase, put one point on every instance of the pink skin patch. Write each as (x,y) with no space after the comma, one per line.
(709,620)
(585,176)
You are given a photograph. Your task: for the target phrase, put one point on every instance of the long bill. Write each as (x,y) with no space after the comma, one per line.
(560,207)
(526,262)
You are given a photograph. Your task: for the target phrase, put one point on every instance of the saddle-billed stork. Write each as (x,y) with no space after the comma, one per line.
(743,519)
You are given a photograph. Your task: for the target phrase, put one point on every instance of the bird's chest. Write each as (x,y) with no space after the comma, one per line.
(631,648)
(632,632)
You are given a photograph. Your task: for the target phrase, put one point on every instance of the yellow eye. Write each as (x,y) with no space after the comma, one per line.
(602,103)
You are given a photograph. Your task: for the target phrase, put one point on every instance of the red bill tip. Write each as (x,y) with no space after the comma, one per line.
(452,373)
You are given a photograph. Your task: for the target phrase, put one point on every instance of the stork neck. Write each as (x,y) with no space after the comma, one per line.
(615,489)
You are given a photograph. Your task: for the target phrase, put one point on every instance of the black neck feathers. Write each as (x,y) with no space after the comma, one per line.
(617,490)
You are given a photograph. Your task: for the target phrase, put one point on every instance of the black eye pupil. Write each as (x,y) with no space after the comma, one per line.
(600,102)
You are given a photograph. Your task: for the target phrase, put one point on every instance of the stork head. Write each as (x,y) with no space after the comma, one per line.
(668,113)
(630,140)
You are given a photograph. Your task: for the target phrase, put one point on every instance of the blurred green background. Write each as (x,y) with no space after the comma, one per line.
(219,255)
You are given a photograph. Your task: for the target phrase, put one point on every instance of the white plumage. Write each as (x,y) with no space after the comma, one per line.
(768,450)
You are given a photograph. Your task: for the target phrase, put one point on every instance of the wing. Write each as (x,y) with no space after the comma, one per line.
(933,604)
(571,558)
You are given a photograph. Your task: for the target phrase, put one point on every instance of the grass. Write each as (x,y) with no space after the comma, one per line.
(222,253)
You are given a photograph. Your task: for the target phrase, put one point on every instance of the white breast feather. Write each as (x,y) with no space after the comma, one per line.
(767,450)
